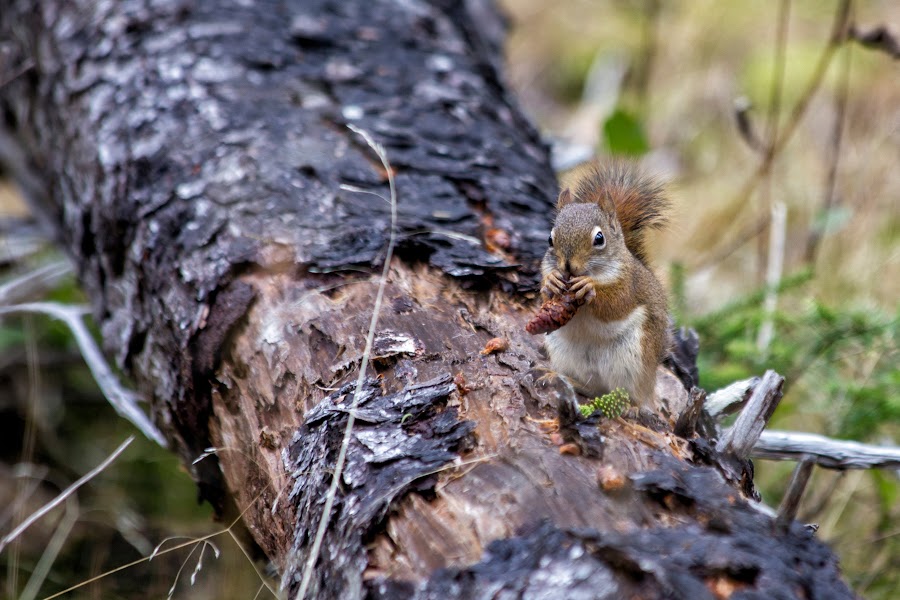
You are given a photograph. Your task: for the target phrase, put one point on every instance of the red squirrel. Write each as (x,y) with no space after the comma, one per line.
(597,257)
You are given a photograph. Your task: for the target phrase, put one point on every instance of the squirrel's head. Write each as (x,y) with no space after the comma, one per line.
(586,240)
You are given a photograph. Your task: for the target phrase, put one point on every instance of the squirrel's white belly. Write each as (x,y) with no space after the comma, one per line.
(599,356)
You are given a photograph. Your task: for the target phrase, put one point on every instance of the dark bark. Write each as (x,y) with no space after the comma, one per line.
(190,156)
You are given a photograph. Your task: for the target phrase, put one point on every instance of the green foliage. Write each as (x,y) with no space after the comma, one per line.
(845,357)
(871,404)
(888,493)
(623,134)
(610,405)
(842,375)
(832,220)
(67,292)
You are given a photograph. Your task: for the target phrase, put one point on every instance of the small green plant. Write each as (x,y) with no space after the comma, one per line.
(839,362)
(610,405)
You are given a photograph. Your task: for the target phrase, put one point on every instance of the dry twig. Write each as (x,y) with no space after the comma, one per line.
(740,439)
(826,452)
(367,352)
(122,400)
(65,494)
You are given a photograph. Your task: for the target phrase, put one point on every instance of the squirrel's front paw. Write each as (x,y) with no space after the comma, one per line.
(554,284)
(583,289)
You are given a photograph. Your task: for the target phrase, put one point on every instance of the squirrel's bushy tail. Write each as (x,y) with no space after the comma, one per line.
(636,199)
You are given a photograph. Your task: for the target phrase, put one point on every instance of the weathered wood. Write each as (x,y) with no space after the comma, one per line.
(731,398)
(787,510)
(825,452)
(740,438)
(195,162)
(794,445)
(686,425)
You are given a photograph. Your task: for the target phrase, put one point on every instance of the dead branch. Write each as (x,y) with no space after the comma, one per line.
(740,439)
(826,452)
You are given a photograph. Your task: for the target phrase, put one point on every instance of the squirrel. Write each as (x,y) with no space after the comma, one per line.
(597,253)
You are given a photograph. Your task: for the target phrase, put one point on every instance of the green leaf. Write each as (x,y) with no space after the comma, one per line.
(624,134)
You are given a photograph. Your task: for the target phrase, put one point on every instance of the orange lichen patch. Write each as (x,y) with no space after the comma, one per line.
(546,425)
(570,449)
(462,386)
(268,440)
(671,502)
(722,586)
(379,169)
(496,239)
(679,448)
(495,345)
(610,479)
(554,313)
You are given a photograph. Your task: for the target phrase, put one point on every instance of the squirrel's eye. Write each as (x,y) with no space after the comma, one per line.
(550,240)
(599,240)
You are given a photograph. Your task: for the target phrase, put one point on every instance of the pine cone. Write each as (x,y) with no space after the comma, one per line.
(554,313)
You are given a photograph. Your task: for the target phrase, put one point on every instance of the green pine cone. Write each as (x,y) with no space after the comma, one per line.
(610,405)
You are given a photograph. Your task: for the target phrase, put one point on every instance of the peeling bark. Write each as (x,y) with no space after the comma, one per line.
(194,160)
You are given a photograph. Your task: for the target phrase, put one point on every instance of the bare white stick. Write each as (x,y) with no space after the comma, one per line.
(826,452)
(34,283)
(774,269)
(730,399)
(309,567)
(121,399)
(65,494)
(748,426)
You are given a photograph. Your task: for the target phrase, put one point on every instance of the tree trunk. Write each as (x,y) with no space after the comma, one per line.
(194,159)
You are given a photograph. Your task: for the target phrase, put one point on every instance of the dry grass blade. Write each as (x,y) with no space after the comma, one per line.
(48,557)
(878,38)
(370,336)
(839,32)
(191,542)
(65,494)
(774,272)
(830,199)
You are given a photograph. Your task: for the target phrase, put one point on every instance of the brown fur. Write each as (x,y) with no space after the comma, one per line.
(622,204)
(636,200)
(638,287)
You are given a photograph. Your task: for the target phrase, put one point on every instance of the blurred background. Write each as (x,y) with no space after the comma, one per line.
(781,149)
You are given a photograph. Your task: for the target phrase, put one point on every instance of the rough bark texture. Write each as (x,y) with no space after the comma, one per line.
(191,157)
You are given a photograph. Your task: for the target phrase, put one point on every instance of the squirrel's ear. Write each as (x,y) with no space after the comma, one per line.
(565,197)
